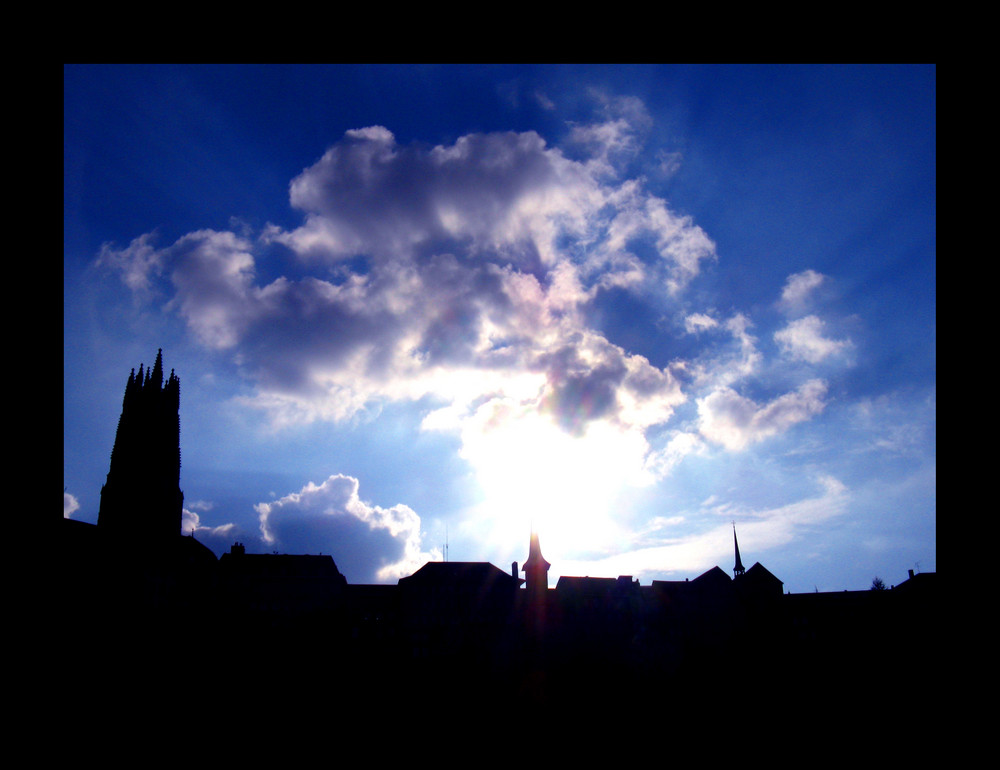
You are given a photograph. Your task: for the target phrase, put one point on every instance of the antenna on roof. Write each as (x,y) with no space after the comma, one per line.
(446,542)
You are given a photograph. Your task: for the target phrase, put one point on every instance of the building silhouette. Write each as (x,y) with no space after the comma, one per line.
(451,629)
(142,499)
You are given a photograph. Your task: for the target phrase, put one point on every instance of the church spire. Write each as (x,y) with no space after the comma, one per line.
(738,569)
(536,568)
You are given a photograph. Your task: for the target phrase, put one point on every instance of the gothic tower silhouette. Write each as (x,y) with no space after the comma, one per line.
(141,498)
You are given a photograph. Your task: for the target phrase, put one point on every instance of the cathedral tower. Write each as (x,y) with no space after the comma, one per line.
(142,499)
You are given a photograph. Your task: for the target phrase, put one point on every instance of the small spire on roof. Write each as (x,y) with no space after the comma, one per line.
(535,567)
(738,569)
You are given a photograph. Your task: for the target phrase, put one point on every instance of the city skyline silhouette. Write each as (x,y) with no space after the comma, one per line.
(136,570)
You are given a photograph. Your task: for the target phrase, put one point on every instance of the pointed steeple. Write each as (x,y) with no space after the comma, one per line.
(536,568)
(738,569)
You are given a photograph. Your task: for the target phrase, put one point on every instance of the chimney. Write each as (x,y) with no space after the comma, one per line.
(513,570)
(911,573)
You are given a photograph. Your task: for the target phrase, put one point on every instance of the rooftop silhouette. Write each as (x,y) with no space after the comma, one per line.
(451,627)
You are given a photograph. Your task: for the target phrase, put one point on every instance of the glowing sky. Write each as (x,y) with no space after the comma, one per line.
(413,306)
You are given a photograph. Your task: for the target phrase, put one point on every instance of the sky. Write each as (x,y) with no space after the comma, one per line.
(419,312)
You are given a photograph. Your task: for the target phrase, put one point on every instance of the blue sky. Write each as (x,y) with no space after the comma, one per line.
(411,306)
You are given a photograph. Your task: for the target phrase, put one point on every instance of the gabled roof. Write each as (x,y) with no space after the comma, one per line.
(758,582)
(450,572)
(712,577)
(921,581)
(267,565)
(671,588)
(759,572)
(586,584)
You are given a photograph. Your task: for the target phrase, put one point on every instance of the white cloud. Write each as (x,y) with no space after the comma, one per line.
(798,288)
(734,421)
(371,543)
(70,505)
(543,100)
(898,423)
(218,538)
(505,197)
(638,218)
(614,141)
(803,340)
(667,549)
(697,322)
(481,256)
(721,366)
(669,163)
(680,445)
(506,194)
(138,263)
(213,274)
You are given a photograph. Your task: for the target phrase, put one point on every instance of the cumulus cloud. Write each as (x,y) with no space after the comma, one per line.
(734,421)
(798,288)
(507,194)
(478,261)
(803,340)
(371,543)
(213,275)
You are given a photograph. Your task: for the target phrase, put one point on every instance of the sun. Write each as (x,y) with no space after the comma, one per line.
(534,476)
